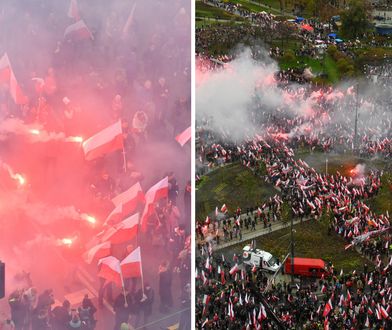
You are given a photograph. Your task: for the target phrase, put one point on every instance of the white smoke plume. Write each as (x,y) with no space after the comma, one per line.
(33,133)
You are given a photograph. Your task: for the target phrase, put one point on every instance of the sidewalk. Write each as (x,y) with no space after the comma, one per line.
(260,231)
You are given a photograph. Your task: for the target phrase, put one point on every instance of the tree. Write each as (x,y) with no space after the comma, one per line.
(355,20)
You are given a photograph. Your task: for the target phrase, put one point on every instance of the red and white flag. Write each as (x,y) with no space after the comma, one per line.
(105,141)
(124,231)
(206,299)
(157,192)
(184,137)
(78,31)
(126,203)
(383,312)
(367,323)
(224,208)
(73,10)
(262,313)
(328,308)
(7,76)
(110,270)
(97,252)
(234,269)
(131,266)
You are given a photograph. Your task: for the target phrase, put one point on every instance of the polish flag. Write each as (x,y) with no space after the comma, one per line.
(206,299)
(105,141)
(234,269)
(97,252)
(378,314)
(224,208)
(158,191)
(124,231)
(131,266)
(184,137)
(383,312)
(110,270)
(73,10)
(367,323)
(78,31)
(7,76)
(328,308)
(262,313)
(126,203)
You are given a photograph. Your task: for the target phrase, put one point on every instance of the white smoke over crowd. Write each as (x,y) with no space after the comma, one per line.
(232,97)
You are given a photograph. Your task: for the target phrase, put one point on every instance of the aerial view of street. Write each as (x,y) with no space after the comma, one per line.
(293,164)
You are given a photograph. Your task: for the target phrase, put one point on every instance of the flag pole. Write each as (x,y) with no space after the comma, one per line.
(123,287)
(141,272)
(124,159)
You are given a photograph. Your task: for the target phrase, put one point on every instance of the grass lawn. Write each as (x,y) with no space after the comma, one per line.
(383,201)
(233,185)
(343,163)
(311,241)
(302,62)
(204,10)
(331,69)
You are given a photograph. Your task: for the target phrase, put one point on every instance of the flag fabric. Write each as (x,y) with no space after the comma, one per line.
(158,191)
(367,323)
(128,22)
(224,208)
(383,312)
(97,252)
(184,137)
(110,270)
(328,308)
(7,76)
(206,299)
(78,31)
(105,141)
(262,313)
(131,266)
(126,203)
(234,269)
(124,231)
(73,10)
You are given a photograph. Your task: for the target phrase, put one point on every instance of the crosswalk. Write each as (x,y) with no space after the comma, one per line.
(87,280)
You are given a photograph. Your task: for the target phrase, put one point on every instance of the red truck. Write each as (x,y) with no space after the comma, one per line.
(306,267)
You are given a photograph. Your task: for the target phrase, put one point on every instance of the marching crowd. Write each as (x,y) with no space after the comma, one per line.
(118,67)
(230,295)
(230,298)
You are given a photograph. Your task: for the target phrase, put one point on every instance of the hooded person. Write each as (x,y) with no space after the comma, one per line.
(143,304)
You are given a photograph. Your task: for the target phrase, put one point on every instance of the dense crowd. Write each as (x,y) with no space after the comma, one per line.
(230,300)
(119,68)
(229,295)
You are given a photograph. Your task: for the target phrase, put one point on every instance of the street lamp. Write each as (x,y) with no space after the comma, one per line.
(326,165)
(355,145)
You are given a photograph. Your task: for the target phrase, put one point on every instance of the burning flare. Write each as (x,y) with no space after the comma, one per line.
(77,139)
(35,131)
(67,241)
(88,218)
(15,176)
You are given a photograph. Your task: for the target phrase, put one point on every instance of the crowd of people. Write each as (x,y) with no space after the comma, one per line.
(122,65)
(231,296)
(227,300)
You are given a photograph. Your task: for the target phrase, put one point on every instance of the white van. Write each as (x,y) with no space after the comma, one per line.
(259,258)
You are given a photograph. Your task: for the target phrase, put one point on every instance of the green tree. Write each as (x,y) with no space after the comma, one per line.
(355,20)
